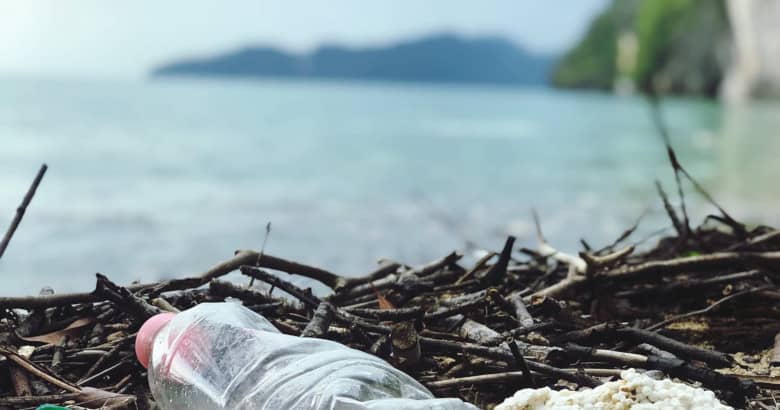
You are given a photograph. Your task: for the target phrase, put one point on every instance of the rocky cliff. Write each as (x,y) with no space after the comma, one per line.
(702,47)
(755,70)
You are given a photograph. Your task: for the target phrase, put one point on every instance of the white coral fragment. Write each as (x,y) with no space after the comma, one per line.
(634,391)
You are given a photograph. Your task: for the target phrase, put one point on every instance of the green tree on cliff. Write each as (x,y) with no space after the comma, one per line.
(592,63)
(683,47)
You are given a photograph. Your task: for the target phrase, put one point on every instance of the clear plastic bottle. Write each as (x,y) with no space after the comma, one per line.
(224,356)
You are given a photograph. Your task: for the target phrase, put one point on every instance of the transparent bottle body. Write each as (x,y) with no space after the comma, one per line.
(224,356)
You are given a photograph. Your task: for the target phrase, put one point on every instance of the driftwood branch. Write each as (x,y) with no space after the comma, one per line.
(498,270)
(35,370)
(318,326)
(304,296)
(699,263)
(22,209)
(125,299)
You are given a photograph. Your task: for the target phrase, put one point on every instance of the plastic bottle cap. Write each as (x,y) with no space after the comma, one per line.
(145,337)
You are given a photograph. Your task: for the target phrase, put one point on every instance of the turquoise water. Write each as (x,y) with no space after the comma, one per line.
(153,179)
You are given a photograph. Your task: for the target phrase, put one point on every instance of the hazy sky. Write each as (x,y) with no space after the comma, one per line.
(127,37)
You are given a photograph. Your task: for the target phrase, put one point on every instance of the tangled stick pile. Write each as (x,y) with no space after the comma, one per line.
(700,307)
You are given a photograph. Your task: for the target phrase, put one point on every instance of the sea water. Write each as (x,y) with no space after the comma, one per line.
(152,179)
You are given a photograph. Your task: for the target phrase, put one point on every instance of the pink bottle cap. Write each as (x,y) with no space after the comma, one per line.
(145,337)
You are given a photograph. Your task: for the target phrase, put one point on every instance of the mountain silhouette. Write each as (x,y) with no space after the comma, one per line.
(441,58)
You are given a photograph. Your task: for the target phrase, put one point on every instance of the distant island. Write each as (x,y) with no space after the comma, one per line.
(440,59)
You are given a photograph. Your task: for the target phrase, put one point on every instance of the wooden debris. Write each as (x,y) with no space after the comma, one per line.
(478,332)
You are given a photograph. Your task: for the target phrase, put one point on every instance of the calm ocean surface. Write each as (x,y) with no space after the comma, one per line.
(154,179)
